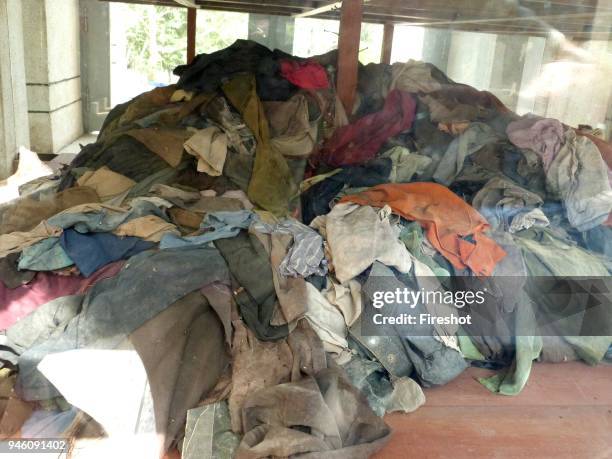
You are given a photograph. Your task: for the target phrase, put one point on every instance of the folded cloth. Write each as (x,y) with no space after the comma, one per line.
(106,183)
(448,219)
(209,145)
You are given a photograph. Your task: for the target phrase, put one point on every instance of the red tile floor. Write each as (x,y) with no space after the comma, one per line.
(565,411)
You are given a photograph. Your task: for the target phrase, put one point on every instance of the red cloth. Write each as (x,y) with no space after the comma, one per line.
(446,217)
(361,140)
(17,303)
(305,74)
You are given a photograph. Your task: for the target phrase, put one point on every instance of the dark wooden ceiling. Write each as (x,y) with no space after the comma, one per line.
(574,18)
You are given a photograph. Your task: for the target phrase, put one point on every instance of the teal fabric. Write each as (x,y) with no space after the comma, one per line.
(217,225)
(412,237)
(46,255)
(527,348)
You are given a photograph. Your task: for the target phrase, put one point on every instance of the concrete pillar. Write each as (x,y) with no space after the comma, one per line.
(95,62)
(272,31)
(13,100)
(436,47)
(471,58)
(53,73)
(507,72)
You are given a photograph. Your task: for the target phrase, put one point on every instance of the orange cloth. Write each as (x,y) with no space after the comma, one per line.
(446,218)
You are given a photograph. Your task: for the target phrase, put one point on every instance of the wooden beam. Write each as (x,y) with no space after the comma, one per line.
(334,6)
(348,52)
(387,43)
(191,34)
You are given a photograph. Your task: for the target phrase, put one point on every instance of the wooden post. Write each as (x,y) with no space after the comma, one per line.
(348,52)
(387,43)
(191,33)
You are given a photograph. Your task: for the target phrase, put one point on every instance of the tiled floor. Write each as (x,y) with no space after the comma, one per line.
(564,412)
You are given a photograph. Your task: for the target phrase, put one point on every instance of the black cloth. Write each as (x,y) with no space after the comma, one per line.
(10,276)
(125,155)
(252,283)
(207,72)
(315,201)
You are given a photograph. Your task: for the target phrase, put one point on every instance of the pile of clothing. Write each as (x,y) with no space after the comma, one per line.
(197,278)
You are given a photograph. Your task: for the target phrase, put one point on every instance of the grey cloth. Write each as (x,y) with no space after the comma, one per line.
(572,313)
(434,363)
(321,417)
(578,176)
(527,219)
(208,433)
(492,328)
(542,135)
(183,352)
(10,276)
(305,256)
(405,164)
(473,139)
(115,307)
(357,236)
(38,326)
(501,199)
(218,225)
(383,394)
(253,284)
(103,219)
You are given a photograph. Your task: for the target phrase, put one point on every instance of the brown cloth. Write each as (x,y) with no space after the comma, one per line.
(458,103)
(258,364)
(321,416)
(271,186)
(10,276)
(25,213)
(13,411)
(165,143)
(184,354)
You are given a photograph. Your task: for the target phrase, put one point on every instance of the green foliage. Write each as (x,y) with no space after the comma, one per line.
(156,39)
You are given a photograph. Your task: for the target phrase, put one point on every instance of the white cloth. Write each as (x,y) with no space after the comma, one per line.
(358,236)
(524,220)
(209,145)
(578,176)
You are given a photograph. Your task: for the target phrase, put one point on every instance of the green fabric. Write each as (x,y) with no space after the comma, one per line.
(547,255)
(591,349)
(271,186)
(412,237)
(468,349)
(527,348)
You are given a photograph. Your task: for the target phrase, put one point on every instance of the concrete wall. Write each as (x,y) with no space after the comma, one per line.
(53,75)
(13,100)
(95,62)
